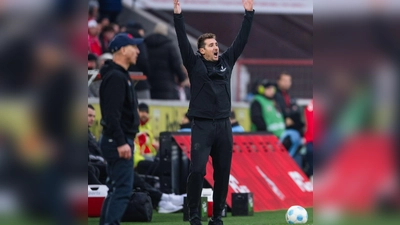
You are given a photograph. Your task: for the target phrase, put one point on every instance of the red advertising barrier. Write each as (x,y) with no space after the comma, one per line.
(261,165)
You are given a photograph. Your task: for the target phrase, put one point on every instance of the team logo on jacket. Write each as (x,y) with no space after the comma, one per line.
(223,69)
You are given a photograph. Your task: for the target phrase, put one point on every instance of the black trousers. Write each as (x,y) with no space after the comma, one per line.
(214,138)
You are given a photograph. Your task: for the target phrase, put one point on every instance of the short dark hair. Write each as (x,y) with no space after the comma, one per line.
(203,37)
(92,57)
(143,107)
(90,106)
(107,29)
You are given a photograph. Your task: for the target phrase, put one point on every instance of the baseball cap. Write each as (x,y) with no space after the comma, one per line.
(123,39)
(267,83)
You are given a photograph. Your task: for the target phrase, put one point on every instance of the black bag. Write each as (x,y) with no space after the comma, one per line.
(139,209)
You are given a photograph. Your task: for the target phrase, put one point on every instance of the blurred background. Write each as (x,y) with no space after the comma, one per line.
(350,70)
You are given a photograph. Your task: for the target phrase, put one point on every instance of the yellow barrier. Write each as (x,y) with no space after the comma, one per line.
(167,115)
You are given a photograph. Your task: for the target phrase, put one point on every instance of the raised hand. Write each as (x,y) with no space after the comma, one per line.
(248,5)
(177,7)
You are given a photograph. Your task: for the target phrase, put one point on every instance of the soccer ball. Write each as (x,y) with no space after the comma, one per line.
(296,214)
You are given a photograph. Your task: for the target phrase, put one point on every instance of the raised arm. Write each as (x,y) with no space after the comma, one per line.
(248,5)
(240,41)
(177,7)
(187,54)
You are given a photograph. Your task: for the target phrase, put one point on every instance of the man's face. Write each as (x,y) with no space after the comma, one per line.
(131,52)
(109,35)
(144,116)
(285,82)
(210,50)
(269,91)
(92,65)
(91,116)
(94,31)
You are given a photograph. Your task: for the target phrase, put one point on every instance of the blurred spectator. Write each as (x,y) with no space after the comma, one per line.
(93,40)
(116,27)
(266,116)
(147,145)
(92,61)
(95,85)
(263,111)
(252,89)
(165,64)
(103,58)
(142,88)
(93,90)
(93,10)
(235,124)
(110,9)
(136,27)
(290,110)
(103,22)
(186,125)
(145,135)
(184,88)
(292,115)
(96,159)
(106,35)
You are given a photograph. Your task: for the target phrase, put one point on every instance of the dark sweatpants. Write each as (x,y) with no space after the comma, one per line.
(209,137)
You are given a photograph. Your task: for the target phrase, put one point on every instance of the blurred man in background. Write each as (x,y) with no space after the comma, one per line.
(142,87)
(165,65)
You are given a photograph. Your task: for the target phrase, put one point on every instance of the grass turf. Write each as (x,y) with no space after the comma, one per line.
(262,218)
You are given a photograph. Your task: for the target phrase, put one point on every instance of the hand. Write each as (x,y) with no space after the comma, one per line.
(185,83)
(248,5)
(124,151)
(177,7)
(289,122)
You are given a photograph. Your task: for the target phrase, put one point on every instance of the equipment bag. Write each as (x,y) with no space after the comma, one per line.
(139,209)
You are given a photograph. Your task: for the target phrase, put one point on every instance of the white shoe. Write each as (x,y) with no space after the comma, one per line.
(176,199)
(168,207)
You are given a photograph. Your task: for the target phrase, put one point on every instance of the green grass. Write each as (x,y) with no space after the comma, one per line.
(262,218)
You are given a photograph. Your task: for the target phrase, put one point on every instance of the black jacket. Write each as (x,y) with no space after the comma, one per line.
(292,111)
(142,63)
(210,81)
(118,103)
(165,64)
